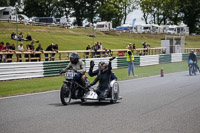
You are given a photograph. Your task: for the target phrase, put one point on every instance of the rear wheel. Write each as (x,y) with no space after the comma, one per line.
(65,95)
(194,69)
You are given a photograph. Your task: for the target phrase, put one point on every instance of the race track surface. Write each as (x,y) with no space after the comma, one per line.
(169,104)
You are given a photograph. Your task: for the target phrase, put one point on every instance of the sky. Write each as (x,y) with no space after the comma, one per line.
(135,14)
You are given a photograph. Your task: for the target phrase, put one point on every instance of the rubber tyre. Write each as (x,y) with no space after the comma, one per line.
(190,70)
(194,70)
(83,100)
(65,95)
(114,94)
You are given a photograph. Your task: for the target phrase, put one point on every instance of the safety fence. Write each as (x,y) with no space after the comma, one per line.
(34,56)
(22,70)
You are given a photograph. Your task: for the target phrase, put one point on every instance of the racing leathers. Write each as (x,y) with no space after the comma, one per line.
(104,82)
(79,68)
(92,73)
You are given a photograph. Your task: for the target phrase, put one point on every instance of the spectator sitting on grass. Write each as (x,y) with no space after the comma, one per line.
(20,37)
(29,38)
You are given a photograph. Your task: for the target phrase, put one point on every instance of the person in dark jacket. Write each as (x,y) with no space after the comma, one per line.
(92,73)
(193,57)
(51,47)
(104,78)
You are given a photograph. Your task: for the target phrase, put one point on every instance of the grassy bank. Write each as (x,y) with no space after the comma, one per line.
(73,39)
(16,87)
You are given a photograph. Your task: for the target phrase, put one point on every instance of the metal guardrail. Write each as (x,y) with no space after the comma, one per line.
(33,56)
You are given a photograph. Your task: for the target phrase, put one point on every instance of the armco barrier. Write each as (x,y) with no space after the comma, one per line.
(9,71)
(21,70)
(164,58)
(185,56)
(176,57)
(52,68)
(149,60)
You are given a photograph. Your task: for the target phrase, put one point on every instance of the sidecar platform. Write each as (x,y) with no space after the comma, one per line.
(91,95)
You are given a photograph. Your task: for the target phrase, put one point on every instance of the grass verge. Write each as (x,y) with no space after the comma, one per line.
(17,87)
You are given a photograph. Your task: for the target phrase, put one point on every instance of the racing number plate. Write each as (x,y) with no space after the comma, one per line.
(69,75)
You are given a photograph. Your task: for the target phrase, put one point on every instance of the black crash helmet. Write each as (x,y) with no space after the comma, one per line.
(74,58)
(103,67)
(192,52)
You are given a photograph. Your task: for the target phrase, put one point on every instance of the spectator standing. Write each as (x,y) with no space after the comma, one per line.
(96,47)
(101,47)
(2,48)
(39,48)
(87,48)
(52,48)
(12,49)
(29,38)
(32,48)
(55,49)
(133,46)
(129,45)
(27,50)
(7,48)
(130,60)
(21,49)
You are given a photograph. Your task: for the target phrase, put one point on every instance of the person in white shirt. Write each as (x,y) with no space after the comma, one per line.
(21,49)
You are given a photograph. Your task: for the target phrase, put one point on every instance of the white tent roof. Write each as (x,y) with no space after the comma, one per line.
(2,8)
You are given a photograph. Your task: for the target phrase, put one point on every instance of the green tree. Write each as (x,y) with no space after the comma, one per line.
(4,3)
(190,10)
(41,8)
(127,6)
(91,9)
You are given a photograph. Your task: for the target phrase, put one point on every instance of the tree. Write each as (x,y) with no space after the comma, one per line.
(190,10)
(91,9)
(3,3)
(41,8)
(127,6)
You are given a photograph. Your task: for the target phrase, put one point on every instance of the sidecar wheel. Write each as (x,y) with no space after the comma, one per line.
(114,93)
(83,100)
(65,95)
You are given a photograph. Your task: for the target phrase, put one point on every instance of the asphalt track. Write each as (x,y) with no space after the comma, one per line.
(150,105)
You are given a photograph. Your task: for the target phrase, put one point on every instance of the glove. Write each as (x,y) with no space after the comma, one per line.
(92,64)
(112,58)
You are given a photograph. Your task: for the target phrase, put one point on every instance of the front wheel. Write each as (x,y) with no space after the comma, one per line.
(190,70)
(65,95)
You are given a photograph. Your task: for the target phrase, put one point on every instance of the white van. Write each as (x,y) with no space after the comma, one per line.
(20,18)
